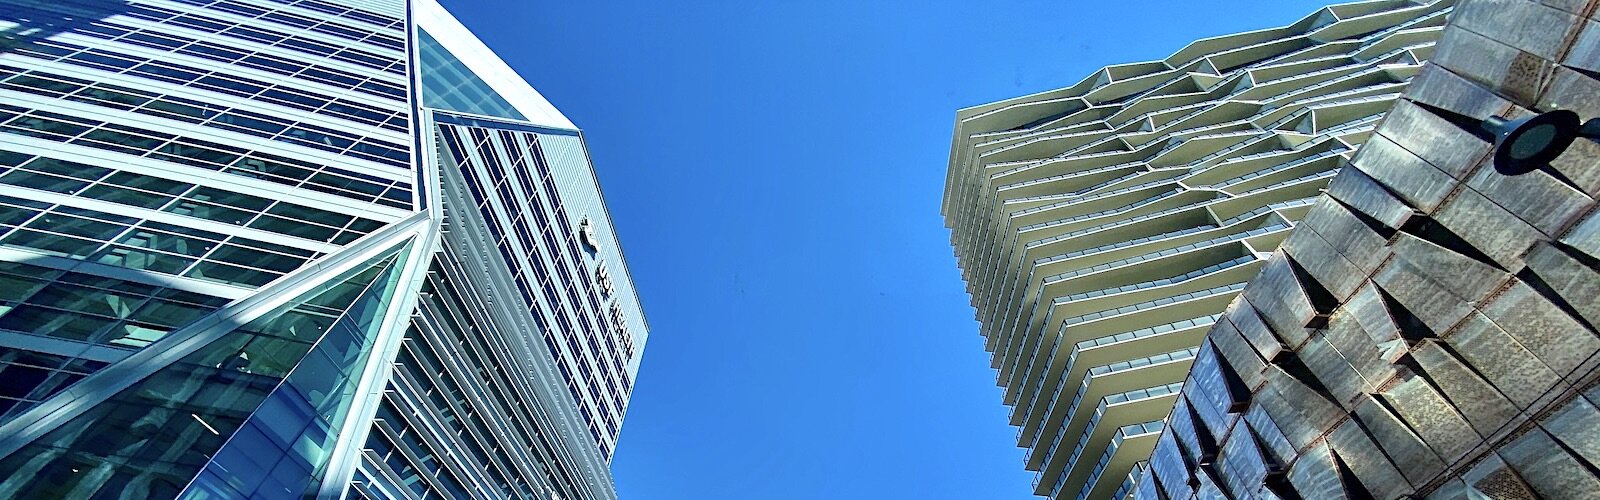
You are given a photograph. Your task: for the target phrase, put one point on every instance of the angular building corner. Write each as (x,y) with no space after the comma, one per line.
(1429,329)
(1104,227)
(278,248)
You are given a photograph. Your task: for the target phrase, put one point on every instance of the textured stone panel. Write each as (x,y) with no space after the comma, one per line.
(1364,194)
(1432,417)
(1510,366)
(1357,348)
(1494,478)
(1484,407)
(1462,277)
(1417,182)
(1332,370)
(1276,444)
(1243,358)
(1419,463)
(1585,237)
(1537,198)
(1541,327)
(1367,462)
(1438,87)
(1243,467)
(1169,467)
(1551,471)
(1316,475)
(1300,431)
(1575,425)
(1510,72)
(1435,305)
(1280,300)
(1443,144)
(1538,29)
(1574,282)
(1244,317)
(1320,260)
(1488,227)
(1352,238)
(1368,309)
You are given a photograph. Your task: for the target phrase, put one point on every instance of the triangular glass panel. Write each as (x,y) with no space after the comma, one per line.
(448,84)
(281,451)
(150,439)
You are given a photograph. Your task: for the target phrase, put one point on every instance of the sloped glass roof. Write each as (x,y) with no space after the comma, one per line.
(448,84)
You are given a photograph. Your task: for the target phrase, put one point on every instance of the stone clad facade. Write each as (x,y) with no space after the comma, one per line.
(1429,328)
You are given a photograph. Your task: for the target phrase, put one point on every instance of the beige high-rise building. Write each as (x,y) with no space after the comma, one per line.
(1104,227)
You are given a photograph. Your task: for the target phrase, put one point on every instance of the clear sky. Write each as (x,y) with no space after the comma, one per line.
(774,170)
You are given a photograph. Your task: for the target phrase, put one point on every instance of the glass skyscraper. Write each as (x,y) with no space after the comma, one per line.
(276,248)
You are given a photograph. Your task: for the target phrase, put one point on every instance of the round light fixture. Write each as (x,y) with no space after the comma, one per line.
(1526,144)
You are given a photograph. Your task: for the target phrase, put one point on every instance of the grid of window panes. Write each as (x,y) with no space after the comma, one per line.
(198,201)
(33,376)
(144,244)
(152,437)
(250,43)
(282,449)
(204,154)
(93,309)
(506,171)
(130,43)
(451,390)
(194,111)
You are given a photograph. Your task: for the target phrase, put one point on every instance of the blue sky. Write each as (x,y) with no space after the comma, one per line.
(775,170)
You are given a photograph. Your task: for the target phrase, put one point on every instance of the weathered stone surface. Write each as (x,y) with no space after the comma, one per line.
(1575,425)
(1509,366)
(1332,370)
(1537,198)
(1418,462)
(1572,6)
(1243,467)
(1494,478)
(1510,72)
(1243,358)
(1445,145)
(1463,277)
(1544,329)
(1316,475)
(1367,308)
(1416,181)
(1540,30)
(1433,418)
(1574,282)
(1551,471)
(1585,237)
(1352,238)
(1367,462)
(1366,358)
(1483,406)
(1435,305)
(1585,53)
(1147,488)
(1321,261)
(1295,426)
(1365,195)
(1279,298)
(1169,467)
(1438,87)
(1244,317)
(1488,227)
(1276,444)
